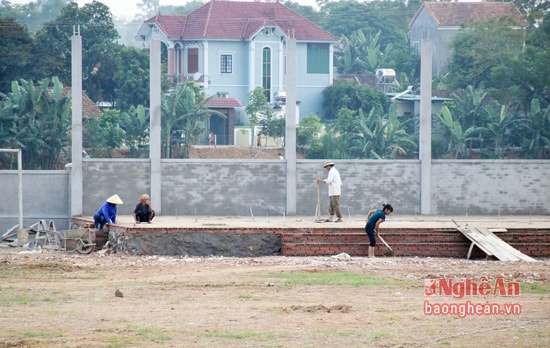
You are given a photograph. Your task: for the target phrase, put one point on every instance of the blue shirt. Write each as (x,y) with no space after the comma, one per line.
(108,210)
(379,214)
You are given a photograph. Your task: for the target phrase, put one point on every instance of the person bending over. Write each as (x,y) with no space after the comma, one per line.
(374,219)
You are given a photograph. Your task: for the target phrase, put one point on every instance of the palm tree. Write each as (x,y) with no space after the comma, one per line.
(184,116)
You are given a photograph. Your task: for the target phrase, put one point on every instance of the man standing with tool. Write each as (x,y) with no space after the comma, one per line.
(374,219)
(334,183)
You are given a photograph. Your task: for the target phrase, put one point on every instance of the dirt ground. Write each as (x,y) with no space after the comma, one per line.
(53,299)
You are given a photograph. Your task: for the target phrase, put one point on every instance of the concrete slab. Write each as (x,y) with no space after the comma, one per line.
(350,222)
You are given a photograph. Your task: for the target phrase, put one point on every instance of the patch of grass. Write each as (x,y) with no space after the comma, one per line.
(249,297)
(19,300)
(380,335)
(334,279)
(118,342)
(42,334)
(240,335)
(148,333)
(535,288)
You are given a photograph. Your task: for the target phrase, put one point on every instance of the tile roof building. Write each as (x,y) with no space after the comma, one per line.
(231,47)
(441,21)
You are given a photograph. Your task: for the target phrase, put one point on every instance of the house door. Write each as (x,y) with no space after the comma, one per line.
(218,126)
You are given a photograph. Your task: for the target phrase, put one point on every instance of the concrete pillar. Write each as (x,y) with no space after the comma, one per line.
(290,131)
(172,64)
(76,127)
(206,69)
(425,148)
(155,123)
(251,65)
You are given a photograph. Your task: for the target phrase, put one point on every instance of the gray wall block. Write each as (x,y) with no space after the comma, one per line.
(258,187)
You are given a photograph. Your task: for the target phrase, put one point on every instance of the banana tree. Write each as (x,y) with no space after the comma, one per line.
(457,137)
(537,141)
(40,115)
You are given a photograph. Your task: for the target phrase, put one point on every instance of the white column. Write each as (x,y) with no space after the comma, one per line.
(425,152)
(251,65)
(281,65)
(290,131)
(206,69)
(76,127)
(155,123)
(331,64)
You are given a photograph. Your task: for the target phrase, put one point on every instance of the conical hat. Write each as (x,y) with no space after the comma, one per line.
(115,199)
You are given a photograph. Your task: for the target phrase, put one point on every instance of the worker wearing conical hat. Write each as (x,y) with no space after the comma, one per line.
(107,212)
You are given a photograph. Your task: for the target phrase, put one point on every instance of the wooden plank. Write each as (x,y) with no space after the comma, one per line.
(475,237)
(491,245)
(507,247)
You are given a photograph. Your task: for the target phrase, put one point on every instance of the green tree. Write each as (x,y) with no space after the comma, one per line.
(33,14)
(273,125)
(99,50)
(457,138)
(102,135)
(537,140)
(308,134)
(135,123)
(184,119)
(131,78)
(256,108)
(502,132)
(15,53)
(527,75)
(353,96)
(40,119)
(480,49)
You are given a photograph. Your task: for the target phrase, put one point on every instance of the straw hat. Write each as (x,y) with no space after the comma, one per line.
(115,199)
(328,163)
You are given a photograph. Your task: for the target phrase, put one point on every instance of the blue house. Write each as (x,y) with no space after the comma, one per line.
(231,47)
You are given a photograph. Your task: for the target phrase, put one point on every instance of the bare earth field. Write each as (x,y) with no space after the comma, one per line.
(54,299)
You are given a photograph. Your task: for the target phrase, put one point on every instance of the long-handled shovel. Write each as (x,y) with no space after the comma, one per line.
(388,252)
(318,217)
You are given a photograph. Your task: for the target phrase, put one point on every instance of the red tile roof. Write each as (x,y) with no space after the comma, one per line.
(238,20)
(223,103)
(460,13)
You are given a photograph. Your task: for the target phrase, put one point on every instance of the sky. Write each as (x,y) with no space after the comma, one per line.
(128,8)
